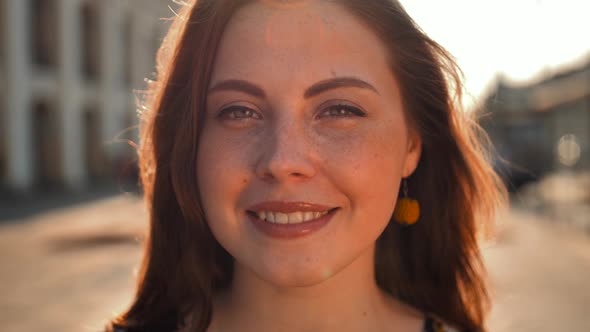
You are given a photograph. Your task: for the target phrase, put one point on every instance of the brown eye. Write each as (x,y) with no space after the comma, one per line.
(238,112)
(342,111)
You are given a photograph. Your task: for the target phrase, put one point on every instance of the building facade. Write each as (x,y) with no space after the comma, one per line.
(541,127)
(68,71)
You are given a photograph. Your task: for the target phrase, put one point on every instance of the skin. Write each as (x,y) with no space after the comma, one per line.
(284,146)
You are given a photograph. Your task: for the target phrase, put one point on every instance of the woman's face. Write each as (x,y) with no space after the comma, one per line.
(302,107)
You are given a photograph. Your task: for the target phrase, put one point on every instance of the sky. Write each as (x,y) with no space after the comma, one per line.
(523,40)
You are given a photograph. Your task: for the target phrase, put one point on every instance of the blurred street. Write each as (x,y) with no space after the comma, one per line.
(540,271)
(71,269)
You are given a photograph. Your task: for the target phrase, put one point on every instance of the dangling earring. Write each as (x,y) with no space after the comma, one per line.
(407,210)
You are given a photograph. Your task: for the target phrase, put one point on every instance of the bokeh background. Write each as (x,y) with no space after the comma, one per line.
(72,221)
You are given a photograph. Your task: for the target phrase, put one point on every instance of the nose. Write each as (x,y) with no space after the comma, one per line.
(286,154)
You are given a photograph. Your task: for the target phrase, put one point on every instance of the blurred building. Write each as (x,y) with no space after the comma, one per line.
(543,126)
(67,71)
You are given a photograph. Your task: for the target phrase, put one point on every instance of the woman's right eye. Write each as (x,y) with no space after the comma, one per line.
(238,112)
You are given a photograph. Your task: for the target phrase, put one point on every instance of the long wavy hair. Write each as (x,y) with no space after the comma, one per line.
(435,265)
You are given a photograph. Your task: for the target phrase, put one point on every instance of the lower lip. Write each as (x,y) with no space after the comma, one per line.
(289,231)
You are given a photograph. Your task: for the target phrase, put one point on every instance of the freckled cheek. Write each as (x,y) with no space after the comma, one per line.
(366,166)
(220,164)
(358,151)
(223,149)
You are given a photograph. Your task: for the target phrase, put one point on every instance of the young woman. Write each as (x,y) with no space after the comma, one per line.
(308,168)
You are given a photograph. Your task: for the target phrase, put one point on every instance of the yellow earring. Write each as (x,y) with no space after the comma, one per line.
(407,210)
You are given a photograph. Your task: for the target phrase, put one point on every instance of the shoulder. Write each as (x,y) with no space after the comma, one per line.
(434,325)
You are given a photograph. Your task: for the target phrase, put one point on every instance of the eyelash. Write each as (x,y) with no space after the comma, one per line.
(229,111)
(351,111)
(354,111)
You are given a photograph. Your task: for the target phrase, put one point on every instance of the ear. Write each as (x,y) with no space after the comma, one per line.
(413,153)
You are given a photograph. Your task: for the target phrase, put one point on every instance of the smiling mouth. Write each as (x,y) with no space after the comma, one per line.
(298,217)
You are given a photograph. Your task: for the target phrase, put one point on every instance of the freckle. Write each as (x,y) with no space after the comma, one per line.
(364,313)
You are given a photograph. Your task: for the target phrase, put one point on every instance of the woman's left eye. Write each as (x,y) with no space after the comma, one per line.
(342,111)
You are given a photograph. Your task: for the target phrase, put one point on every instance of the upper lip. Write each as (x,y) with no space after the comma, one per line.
(288,207)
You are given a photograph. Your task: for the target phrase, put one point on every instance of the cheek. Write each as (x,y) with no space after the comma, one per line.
(367,169)
(368,162)
(220,181)
(220,164)
(221,155)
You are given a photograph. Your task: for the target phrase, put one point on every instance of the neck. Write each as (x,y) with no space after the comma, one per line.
(348,301)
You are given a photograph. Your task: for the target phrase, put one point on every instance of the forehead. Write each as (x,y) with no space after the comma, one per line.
(298,39)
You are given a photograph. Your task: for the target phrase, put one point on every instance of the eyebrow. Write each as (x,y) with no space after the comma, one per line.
(314,90)
(239,85)
(335,83)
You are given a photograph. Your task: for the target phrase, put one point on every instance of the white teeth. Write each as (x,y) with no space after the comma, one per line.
(291,218)
(281,218)
(307,216)
(295,217)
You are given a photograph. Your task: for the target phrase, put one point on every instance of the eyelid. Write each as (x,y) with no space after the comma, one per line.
(228,108)
(351,107)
